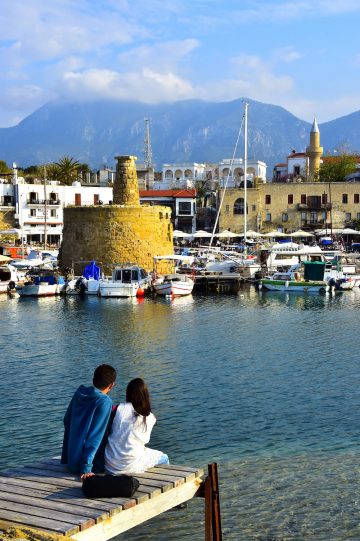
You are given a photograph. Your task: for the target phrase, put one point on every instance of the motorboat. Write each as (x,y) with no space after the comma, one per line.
(41,282)
(88,283)
(37,259)
(307,277)
(280,257)
(127,280)
(174,284)
(8,278)
(227,262)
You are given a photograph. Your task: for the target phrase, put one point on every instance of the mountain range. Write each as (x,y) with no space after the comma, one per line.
(184,131)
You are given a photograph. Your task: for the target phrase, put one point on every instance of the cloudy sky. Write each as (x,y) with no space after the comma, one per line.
(303,55)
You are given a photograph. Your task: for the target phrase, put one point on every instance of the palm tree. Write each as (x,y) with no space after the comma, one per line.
(67,170)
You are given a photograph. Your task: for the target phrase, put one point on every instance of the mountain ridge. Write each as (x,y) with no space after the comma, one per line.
(183,131)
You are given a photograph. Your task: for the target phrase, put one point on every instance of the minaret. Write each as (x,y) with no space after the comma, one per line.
(314,151)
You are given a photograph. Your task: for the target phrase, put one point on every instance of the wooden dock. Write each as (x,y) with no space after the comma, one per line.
(46,497)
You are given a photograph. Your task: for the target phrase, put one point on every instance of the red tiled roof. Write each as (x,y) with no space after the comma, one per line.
(280,165)
(296,154)
(167,193)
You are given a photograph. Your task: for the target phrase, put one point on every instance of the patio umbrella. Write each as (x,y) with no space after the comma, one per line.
(301,233)
(181,234)
(202,234)
(275,234)
(253,234)
(4,259)
(8,232)
(349,231)
(227,235)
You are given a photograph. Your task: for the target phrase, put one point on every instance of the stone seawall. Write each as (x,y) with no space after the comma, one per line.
(115,234)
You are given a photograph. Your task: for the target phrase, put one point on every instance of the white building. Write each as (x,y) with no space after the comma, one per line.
(181,175)
(232,172)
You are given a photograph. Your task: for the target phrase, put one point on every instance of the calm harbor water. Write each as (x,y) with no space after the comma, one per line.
(266,384)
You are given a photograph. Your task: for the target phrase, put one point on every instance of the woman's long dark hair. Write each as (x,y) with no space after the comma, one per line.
(138,394)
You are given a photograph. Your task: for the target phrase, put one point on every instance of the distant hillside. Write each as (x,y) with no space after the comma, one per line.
(191,130)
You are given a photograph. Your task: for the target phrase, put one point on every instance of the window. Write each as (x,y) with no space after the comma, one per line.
(78,199)
(290,199)
(285,217)
(268,217)
(33,212)
(53,213)
(239,206)
(303,199)
(96,198)
(345,198)
(356,198)
(313,217)
(185,208)
(324,198)
(253,207)
(267,199)
(348,217)
(297,170)
(303,216)
(358,216)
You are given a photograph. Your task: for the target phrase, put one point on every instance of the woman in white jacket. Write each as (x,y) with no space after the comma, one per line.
(125,451)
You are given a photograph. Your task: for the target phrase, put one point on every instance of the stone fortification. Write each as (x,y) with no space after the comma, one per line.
(121,233)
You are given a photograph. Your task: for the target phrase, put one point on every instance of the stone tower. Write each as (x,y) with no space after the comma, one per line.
(314,151)
(119,233)
(126,190)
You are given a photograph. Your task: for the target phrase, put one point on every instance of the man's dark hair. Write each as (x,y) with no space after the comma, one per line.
(104,376)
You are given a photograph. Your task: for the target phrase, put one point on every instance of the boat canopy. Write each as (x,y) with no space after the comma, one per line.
(175,257)
(92,271)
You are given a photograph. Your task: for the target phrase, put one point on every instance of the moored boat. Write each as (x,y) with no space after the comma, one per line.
(128,280)
(309,277)
(42,283)
(175,284)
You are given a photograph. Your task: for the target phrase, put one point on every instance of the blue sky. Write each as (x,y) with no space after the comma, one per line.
(303,55)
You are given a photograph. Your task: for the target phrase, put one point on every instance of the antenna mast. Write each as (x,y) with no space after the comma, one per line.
(147,145)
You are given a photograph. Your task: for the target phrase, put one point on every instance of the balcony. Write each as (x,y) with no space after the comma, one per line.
(40,202)
(314,206)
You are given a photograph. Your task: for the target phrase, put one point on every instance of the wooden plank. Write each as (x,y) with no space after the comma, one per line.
(75,520)
(198,471)
(175,480)
(176,473)
(39,523)
(140,513)
(151,491)
(36,500)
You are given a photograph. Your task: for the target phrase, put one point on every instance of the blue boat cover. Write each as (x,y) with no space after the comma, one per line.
(92,271)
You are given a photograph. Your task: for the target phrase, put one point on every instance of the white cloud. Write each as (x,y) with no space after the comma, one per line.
(287,55)
(146,85)
(165,55)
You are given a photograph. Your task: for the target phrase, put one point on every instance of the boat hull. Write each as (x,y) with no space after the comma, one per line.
(112,289)
(301,287)
(39,290)
(175,289)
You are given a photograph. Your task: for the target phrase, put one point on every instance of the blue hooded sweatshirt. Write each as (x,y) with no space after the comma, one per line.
(85,423)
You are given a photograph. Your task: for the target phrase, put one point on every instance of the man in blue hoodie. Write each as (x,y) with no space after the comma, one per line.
(86,420)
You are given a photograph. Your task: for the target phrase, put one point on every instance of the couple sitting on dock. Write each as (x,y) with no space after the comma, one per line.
(100,437)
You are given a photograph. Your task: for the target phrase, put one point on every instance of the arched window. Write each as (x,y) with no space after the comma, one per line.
(239,206)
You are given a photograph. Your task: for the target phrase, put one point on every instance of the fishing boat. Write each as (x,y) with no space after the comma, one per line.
(175,284)
(41,283)
(307,277)
(127,280)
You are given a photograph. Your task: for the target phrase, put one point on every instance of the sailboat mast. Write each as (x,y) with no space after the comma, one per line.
(245,171)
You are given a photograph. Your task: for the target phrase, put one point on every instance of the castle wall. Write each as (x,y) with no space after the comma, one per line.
(115,234)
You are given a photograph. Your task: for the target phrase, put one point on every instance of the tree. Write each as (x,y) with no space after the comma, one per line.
(67,170)
(335,168)
(4,167)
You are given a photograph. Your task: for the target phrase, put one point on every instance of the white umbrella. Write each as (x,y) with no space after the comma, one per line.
(349,231)
(275,234)
(301,233)
(252,234)
(227,234)
(11,232)
(202,234)
(181,234)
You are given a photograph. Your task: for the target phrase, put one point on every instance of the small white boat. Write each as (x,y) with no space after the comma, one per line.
(44,283)
(126,281)
(175,285)
(88,283)
(305,278)
(8,278)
